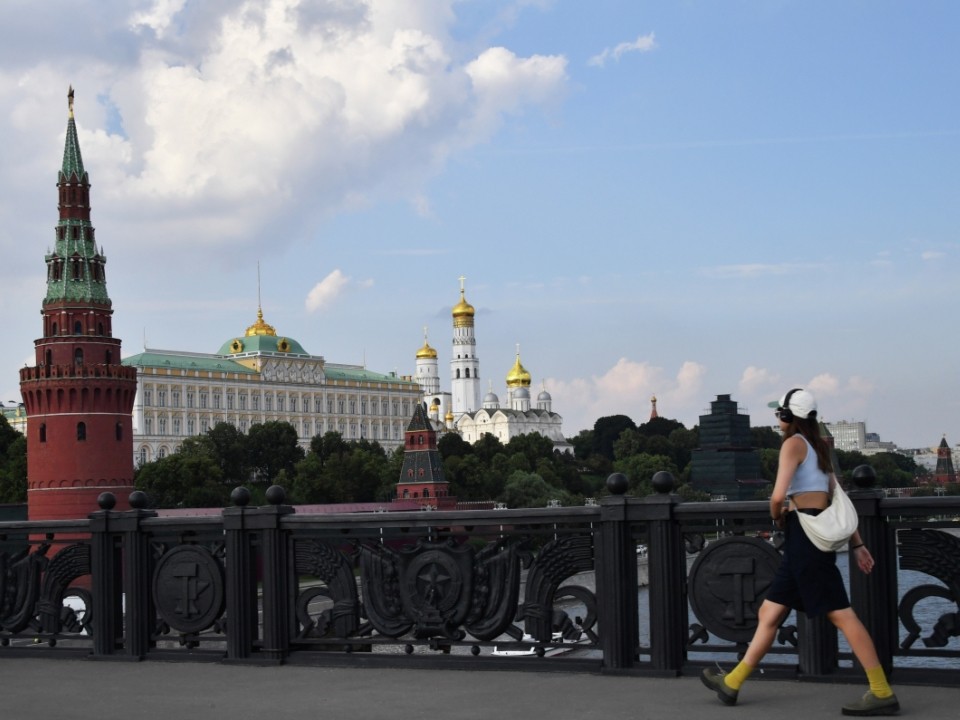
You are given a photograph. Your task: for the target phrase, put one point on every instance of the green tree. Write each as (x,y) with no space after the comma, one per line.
(659,426)
(229,447)
(190,479)
(765,437)
(273,447)
(523,490)
(641,468)
(13,469)
(606,431)
(453,445)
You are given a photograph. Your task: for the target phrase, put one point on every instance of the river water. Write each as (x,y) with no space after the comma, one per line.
(927,612)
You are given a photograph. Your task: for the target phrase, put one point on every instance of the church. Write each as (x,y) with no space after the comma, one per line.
(461,409)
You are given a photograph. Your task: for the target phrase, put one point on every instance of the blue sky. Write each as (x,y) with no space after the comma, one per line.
(681,198)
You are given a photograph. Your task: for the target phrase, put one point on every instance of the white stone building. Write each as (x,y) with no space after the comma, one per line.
(260,377)
(461,409)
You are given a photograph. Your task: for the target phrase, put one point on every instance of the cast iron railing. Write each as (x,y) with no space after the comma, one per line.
(552,588)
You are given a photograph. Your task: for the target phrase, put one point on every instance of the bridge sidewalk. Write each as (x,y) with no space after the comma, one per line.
(84,689)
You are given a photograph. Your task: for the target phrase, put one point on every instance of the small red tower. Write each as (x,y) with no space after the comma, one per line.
(944,474)
(421,477)
(78,397)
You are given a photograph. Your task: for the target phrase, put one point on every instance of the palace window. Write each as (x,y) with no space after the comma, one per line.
(243,402)
(280,403)
(162,426)
(162,398)
(189,399)
(81,431)
(176,426)
(43,432)
(293,404)
(203,400)
(147,397)
(148,426)
(176,398)
(268,403)
(229,401)
(216,401)
(191,426)
(255,402)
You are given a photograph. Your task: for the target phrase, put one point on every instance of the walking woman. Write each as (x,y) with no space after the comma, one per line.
(808,579)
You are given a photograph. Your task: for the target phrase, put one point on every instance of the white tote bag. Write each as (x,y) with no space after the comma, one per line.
(831,529)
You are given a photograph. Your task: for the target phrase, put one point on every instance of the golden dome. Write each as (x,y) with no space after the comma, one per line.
(463,312)
(518,375)
(426,351)
(260,327)
(449,416)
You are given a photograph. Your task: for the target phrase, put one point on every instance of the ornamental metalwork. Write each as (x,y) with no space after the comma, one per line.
(188,588)
(727,583)
(33,586)
(935,553)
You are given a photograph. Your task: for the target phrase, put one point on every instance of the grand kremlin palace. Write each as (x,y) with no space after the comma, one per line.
(261,377)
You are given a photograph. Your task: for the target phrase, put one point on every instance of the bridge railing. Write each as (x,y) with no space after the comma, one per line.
(650,585)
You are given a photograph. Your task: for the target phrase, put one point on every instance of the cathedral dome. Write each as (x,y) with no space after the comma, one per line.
(463,312)
(426,352)
(521,393)
(491,399)
(518,375)
(544,396)
(261,338)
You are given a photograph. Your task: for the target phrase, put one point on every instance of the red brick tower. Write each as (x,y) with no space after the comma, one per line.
(944,474)
(421,477)
(78,396)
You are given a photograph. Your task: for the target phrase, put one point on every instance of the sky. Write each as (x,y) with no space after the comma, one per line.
(679,198)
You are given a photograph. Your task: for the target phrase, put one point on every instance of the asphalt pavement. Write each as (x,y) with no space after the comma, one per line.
(80,689)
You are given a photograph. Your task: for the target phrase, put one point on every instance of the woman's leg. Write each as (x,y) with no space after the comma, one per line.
(769,618)
(862,645)
(860,641)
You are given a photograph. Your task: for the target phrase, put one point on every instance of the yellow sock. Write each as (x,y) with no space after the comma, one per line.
(878,682)
(741,672)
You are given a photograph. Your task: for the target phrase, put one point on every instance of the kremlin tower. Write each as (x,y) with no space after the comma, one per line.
(78,396)
(464,364)
(421,477)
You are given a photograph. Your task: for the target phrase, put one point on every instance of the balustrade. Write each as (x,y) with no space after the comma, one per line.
(480,587)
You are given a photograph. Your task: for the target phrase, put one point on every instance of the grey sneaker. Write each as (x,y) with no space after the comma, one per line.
(714,680)
(871,705)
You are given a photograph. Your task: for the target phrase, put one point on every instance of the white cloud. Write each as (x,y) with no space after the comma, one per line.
(932,255)
(758,380)
(643,43)
(245,119)
(626,389)
(504,83)
(326,291)
(824,385)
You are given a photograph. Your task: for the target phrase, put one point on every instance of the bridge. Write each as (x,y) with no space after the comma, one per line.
(421,595)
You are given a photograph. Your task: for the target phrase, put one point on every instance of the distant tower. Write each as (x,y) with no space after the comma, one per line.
(944,473)
(518,386)
(421,477)
(78,397)
(653,407)
(464,364)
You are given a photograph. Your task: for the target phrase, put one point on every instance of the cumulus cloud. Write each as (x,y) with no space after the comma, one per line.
(626,389)
(758,380)
(230,121)
(643,43)
(326,291)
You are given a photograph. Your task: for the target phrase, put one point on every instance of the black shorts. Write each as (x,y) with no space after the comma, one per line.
(808,579)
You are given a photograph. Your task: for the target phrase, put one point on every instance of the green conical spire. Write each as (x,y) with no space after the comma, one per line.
(75,269)
(72,160)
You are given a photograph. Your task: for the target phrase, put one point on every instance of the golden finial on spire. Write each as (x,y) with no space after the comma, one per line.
(70,101)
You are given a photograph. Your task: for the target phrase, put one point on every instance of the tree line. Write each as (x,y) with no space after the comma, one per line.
(524,472)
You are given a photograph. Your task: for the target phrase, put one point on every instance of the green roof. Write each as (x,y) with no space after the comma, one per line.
(359,374)
(186,362)
(262,344)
